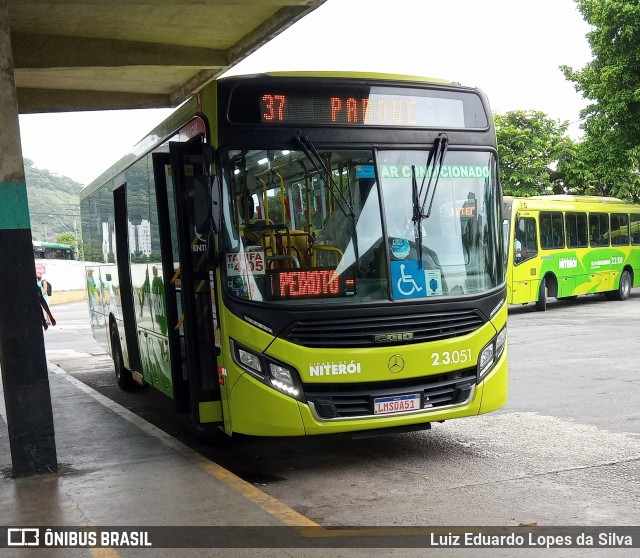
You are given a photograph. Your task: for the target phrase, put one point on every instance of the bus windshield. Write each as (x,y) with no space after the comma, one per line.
(302,231)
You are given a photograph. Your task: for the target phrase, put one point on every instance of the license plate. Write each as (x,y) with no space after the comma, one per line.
(396,404)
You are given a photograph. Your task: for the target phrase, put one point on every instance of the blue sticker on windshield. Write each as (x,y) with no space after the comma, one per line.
(400,248)
(365,171)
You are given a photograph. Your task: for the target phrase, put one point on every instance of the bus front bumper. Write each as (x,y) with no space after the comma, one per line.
(271,413)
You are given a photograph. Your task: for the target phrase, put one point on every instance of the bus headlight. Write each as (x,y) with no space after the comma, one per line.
(274,373)
(486,359)
(501,341)
(280,373)
(249,360)
(491,353)
(283,380)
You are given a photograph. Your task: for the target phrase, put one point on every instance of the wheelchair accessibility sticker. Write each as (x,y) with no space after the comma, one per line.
(411,282)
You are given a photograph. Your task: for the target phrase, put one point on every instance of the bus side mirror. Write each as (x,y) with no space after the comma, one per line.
(216,204)
(505,236)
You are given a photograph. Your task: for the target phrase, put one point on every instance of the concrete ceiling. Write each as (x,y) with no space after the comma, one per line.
(71,55)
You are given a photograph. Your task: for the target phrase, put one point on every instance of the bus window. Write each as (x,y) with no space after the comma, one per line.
(599,229)
(577,235)
(619,229)
(551,230)
(526,244)
(635,229)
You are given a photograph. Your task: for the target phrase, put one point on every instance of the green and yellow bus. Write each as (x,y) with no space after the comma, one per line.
(563,246)
(298,254)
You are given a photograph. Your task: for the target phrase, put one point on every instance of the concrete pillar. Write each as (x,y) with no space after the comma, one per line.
(22,355)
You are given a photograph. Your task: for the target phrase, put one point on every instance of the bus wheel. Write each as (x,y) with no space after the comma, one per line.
(624,288)
(541,303)
(123,375)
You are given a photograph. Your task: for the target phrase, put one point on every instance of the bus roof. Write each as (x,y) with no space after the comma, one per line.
(568,202)
(356,75)
(574,199)
(40,244)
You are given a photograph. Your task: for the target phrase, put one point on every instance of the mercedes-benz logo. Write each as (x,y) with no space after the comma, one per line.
(396,364)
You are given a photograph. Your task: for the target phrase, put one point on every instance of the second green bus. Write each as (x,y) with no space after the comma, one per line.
(563,246)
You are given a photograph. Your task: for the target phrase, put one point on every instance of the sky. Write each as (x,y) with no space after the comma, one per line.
(511,49)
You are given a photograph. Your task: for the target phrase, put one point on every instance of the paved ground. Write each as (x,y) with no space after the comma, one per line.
(564,451)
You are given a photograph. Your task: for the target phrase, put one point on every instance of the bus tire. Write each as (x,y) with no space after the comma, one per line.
(624,287)
(123,374)
(541,303)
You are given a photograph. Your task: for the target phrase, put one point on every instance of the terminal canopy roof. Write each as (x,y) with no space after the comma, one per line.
(73,55)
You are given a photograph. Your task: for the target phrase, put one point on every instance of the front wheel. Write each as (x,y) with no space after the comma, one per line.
(541,303)
(624,288)
(123,374)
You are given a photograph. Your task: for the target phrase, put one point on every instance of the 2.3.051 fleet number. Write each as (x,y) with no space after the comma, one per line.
(451,357)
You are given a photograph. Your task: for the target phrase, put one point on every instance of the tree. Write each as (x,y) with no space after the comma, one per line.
(612,79)
(66,237)
(611,82)
(596,167)
(69,238)
(529,144)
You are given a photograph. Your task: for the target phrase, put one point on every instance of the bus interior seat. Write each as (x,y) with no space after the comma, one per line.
(296,243)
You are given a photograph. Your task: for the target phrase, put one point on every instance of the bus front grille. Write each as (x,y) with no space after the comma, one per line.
(380,330)
(357,400)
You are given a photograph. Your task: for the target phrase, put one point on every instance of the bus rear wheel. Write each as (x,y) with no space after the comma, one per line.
(123,375)
(624,288)
(541,303)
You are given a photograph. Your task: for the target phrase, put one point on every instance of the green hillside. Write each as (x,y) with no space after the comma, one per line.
(54,202)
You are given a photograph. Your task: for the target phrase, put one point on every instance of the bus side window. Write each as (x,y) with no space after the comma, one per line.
(577,235)
(525,241)
(635,229)
(619,229)
(599,226)
(583,230)
(551,230)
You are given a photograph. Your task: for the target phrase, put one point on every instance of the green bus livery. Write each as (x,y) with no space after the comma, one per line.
(563,246)
(299,254)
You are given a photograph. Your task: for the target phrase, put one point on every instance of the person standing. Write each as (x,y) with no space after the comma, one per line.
(45,288)
(47,317)
(91,292)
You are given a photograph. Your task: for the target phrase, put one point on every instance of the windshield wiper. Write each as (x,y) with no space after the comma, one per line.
(417,213)
(436,157)
(321,167)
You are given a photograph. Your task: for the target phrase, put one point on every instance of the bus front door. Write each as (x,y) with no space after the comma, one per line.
(184,208)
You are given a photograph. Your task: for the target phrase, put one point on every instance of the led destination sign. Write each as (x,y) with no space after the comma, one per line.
(375,110)
(356,105)
(316,283)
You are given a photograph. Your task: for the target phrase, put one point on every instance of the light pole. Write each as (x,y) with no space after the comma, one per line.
(74,231)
